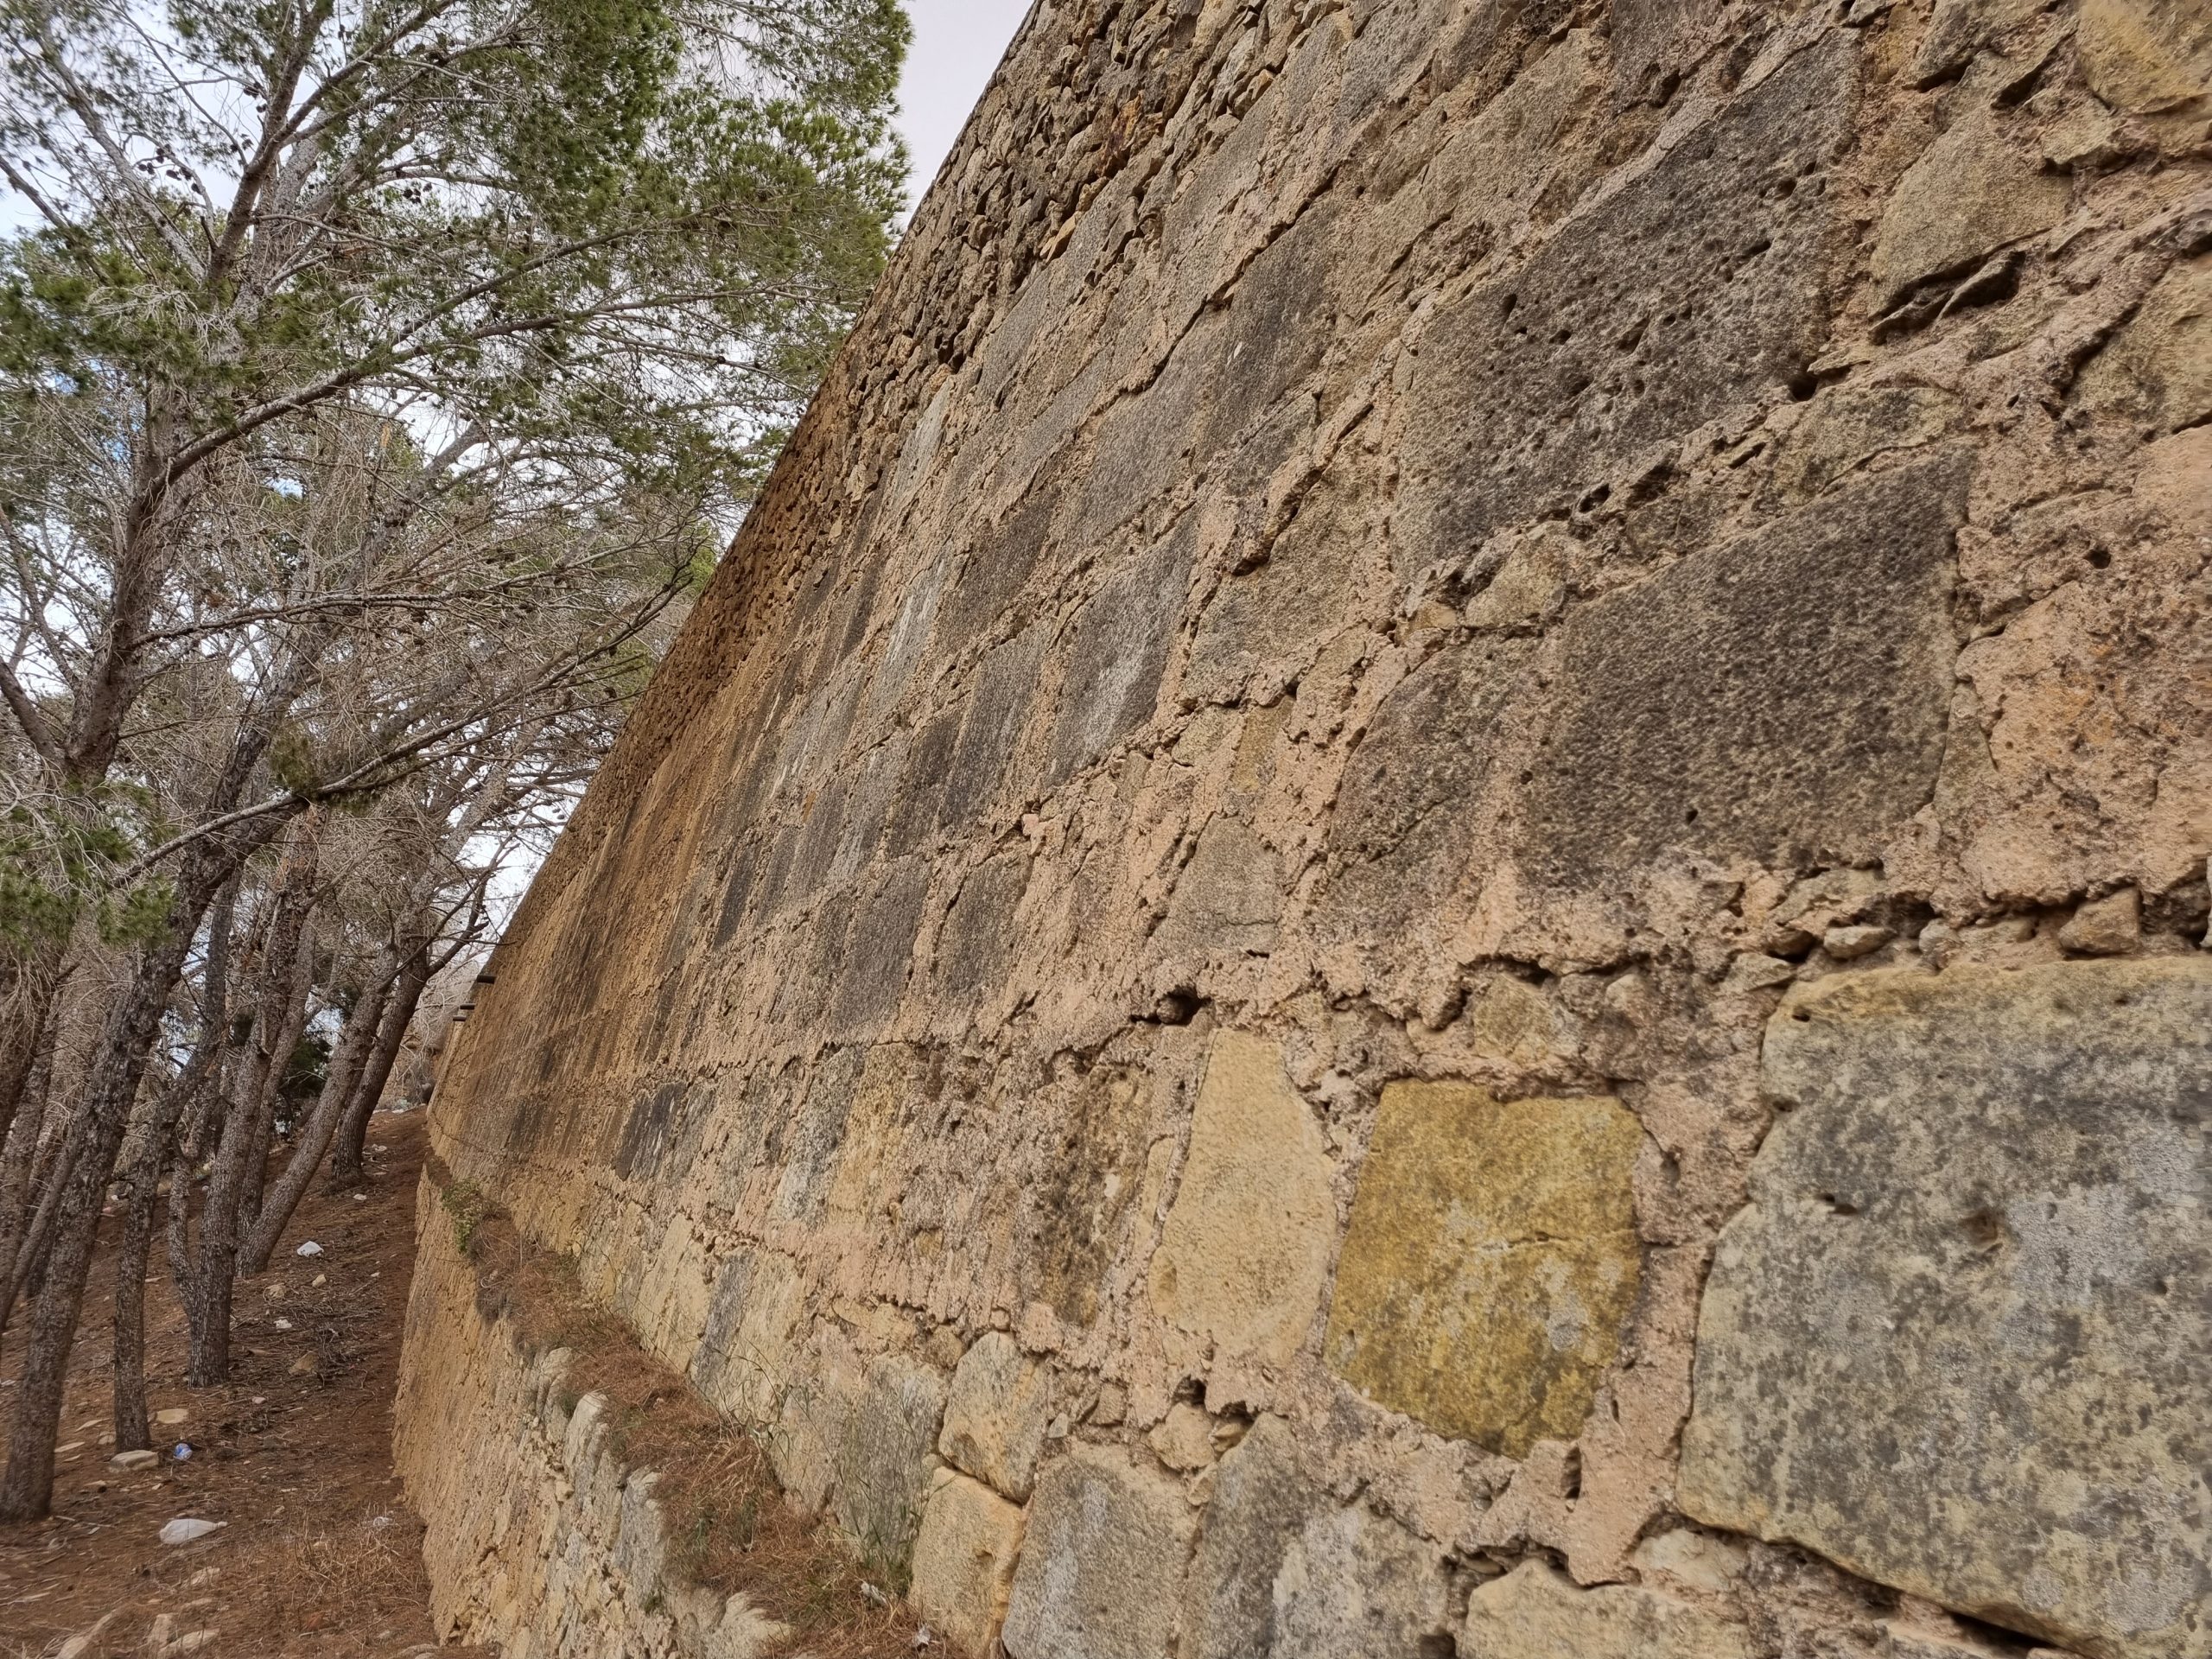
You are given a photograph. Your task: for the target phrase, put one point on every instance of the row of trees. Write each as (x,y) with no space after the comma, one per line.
(378,379)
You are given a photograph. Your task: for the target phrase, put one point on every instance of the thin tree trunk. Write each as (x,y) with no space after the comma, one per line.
(391,1036)
(131,1430)
(19,1160)
(25,1028)
(311,1138)
(221,1221)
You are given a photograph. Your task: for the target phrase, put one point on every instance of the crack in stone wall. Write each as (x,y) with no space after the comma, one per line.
(1333,927)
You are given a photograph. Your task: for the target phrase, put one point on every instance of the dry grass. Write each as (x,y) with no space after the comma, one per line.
(729,1527)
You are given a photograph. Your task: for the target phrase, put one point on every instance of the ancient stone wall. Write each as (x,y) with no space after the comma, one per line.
(1433,880)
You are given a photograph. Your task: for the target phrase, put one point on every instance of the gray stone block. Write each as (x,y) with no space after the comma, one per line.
(1117,649)
(885,1459)
(1102,1566)
(1404,828)
(1701,284)
(978,935)
(1783,698)
(1261,1499)
(1961,1339)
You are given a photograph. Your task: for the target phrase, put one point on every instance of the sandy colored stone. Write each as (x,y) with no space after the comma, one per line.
(1354,1582)
(1491,1261)
(1244,1252)
(964,1561)
(1973,192)
(995,1417)
(2156,370)
(1535,1612)
(1102,1566)
(2146,56)
(1960,1340)
(2110,926)
(1183,1439)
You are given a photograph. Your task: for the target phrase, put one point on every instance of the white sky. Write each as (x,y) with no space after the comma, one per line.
(957,43)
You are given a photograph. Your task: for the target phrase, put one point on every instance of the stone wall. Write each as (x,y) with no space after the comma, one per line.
(1433,881)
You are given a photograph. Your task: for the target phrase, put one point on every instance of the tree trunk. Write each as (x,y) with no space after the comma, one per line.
(111,1083)
(252,1105)
(131,1430)
(19,1160)
(26,1027)
(312,1137)
(391,1036)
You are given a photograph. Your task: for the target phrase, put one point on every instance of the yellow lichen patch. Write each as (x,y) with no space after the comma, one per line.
(1491,1261)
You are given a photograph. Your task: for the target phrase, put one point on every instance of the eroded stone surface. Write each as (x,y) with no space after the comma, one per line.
(1535,1612)
(994,1420)
(1701,709)
(1960,1340)
(1492,1260)
(1102,1566)
(964,1561)
(1245,1250)
(1262,1498)
(1637,321)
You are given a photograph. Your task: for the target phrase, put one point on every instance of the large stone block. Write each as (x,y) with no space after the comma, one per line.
(1262,1497)
(1961,1339)
(964,1563)
(1244,1253)
(885,1459)
(1536,1612)
(1117,649)
(995,1422)
(1701,284)
(1491,1262)
(1005,685)
(1229,898)
(1971,194)
(1404,826)
(1102,1569)
(1076,1219)
(2157,370)
(1352,1582)
(1783,698)
(978,937)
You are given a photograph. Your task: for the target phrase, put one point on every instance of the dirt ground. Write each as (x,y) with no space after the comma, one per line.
(317,1555)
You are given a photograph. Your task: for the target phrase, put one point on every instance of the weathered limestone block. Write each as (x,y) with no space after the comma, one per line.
(1535,1612)
(964,1561)
(1695,287)
(1102,1566)
(1401,835)
(1117,649)
(1275,616)
(978,936)
(1352,1582)
(1972,193)
(1244,1253)
(1262,1498)
(1698,709)
(1491,1262)
(1229,899)
(1959,1341)
(886,1458)
(997,1414)
(2146,56)
(2157,370)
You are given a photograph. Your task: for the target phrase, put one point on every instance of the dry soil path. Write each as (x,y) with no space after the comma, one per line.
(317,1555)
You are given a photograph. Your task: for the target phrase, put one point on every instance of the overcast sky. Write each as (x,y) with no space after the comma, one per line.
(957,44)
